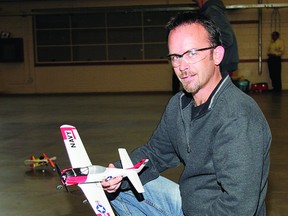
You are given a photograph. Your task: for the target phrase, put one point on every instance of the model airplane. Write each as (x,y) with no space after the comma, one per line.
(40,161)
(89,177)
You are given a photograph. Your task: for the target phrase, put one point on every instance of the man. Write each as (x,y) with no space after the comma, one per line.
(275,51)
(214,129)
(216,10)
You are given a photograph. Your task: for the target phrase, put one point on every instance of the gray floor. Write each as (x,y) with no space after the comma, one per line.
(30,126)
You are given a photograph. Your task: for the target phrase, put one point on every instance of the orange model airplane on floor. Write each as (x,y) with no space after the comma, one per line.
(43,160)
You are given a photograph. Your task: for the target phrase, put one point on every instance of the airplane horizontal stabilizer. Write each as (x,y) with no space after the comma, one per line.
(135,180)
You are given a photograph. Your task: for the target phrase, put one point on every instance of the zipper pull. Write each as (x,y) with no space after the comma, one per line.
(188,148)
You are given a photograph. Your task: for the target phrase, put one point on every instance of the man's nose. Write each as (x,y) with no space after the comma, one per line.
(183,64)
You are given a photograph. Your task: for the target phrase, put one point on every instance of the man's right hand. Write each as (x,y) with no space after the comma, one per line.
(112,185)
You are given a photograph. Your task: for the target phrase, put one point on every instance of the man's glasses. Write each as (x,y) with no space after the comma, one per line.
(190,56)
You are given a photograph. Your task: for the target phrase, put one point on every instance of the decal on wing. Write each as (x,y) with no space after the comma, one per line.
(97,199)
(74,146)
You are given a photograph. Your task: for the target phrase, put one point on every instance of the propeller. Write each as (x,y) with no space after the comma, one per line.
(59,187)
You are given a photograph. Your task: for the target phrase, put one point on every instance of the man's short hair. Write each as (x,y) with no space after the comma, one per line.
(276,33)
(186,18)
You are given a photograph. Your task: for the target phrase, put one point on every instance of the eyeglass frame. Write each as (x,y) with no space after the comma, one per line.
(193,51)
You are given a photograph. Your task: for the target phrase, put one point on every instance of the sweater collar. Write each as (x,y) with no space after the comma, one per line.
(187,98)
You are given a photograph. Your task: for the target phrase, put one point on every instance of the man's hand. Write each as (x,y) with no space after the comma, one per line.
(112,185)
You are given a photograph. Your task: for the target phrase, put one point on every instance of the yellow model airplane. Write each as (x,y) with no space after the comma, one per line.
(43,160)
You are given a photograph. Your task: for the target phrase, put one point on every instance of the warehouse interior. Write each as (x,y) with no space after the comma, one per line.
(30,125)
(114,102)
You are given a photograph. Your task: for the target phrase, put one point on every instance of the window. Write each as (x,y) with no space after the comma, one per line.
(100,35)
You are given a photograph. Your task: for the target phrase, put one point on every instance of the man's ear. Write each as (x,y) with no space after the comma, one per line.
(218,54)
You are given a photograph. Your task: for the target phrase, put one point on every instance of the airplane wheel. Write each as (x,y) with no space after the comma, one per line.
(59,187)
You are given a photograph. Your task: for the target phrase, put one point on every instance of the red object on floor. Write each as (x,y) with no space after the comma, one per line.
(259,87)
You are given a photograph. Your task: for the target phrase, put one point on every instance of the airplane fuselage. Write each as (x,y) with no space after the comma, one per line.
(90,174)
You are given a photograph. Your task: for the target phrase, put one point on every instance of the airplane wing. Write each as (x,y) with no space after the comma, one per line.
(97,199)
(29,162)
(75,148)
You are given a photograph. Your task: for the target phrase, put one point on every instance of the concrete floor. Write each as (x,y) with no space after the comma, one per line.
(30,126)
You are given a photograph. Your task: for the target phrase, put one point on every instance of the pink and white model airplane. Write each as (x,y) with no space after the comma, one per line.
(88,177)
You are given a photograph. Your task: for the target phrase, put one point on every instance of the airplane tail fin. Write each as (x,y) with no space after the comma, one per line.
(125,159)
(30,162)
(132,170)
(127,163)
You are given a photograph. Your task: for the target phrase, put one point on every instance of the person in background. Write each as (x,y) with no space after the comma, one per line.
(275,51)
(216,10)
(214,129)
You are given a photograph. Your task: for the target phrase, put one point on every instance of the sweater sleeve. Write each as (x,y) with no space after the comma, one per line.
(239,157)
(158,150)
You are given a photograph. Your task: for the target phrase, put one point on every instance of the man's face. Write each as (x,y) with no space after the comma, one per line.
(274,36)
(197,75)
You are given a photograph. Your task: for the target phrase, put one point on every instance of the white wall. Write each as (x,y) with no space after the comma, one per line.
(25,78)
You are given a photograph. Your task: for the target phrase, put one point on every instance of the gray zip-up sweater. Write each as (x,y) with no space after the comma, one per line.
(224,148)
